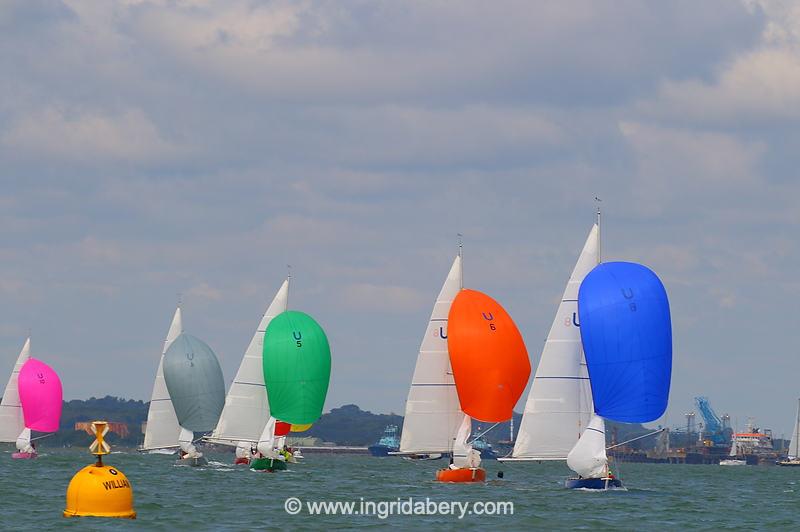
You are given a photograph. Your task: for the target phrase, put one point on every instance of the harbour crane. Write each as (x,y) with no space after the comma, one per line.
(714,428)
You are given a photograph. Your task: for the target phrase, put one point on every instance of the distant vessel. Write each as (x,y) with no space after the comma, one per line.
(793,458)
(246,408)
(197,390)
(297,372)
(484,447)
(389,442)
(31,401)
(482,331)
(755,443)
(161,429)
(626,335)
(733,459)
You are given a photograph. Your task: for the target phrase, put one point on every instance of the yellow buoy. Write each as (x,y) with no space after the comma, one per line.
(99,490)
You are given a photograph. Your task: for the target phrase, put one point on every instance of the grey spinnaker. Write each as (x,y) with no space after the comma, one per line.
(195,383)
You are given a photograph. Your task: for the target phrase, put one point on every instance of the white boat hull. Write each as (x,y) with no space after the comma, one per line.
(732,462)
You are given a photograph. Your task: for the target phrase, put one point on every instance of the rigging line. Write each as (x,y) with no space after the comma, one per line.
(484,432)
(634,439)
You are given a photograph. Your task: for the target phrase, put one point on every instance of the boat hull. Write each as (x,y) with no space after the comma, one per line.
(424,457)
(592,483)
(192,462)
(462,474)
(241,460)
(731,463)
(788,463)
(267,464)
(381,450)
(23,456)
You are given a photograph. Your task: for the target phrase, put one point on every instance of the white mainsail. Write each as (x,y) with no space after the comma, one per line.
(588,458)
(433,413)
(794,452)
(12,423)
(162,424)
(246,406)
(735,447)
(559,403)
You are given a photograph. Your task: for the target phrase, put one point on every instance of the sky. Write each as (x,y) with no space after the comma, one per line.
(154,148)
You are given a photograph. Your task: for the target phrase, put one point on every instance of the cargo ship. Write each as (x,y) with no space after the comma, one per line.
(389,442)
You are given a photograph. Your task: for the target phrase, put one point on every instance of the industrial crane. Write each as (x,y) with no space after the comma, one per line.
(714,428)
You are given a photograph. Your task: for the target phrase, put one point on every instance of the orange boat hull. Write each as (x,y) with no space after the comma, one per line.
(462,474)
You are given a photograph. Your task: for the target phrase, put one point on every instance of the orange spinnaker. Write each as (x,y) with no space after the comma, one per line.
(488,356)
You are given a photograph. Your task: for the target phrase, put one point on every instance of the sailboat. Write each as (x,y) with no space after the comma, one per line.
(733,459)
(32,400)
(297,372)
(197,391)
(626,334)
(559,404)
(433,414)
(490,369)
(162,430)
(246,409)
(793,459)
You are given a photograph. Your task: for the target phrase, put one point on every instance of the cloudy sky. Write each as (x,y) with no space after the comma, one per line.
(151,148)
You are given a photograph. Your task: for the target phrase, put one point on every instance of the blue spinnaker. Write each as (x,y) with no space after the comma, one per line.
(627,340)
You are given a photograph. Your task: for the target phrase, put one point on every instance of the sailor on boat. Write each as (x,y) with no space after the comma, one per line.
(26,446)
(472,460)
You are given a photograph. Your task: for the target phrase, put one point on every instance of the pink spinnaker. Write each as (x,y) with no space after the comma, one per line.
(40,395)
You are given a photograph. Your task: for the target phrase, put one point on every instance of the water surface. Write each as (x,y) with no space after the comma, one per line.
(224,497)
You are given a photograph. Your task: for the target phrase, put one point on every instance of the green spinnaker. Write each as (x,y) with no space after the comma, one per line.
(297,367)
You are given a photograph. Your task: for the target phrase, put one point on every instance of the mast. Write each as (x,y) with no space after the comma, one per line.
(454,441)
(797,430)
(288,282)
(461,256)
(599,240)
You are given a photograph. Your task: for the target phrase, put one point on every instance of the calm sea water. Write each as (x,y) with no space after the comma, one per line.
(223,497)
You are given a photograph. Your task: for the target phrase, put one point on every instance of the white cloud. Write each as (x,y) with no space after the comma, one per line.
(760,85)
(205,291)
(88,136)
(681,154)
